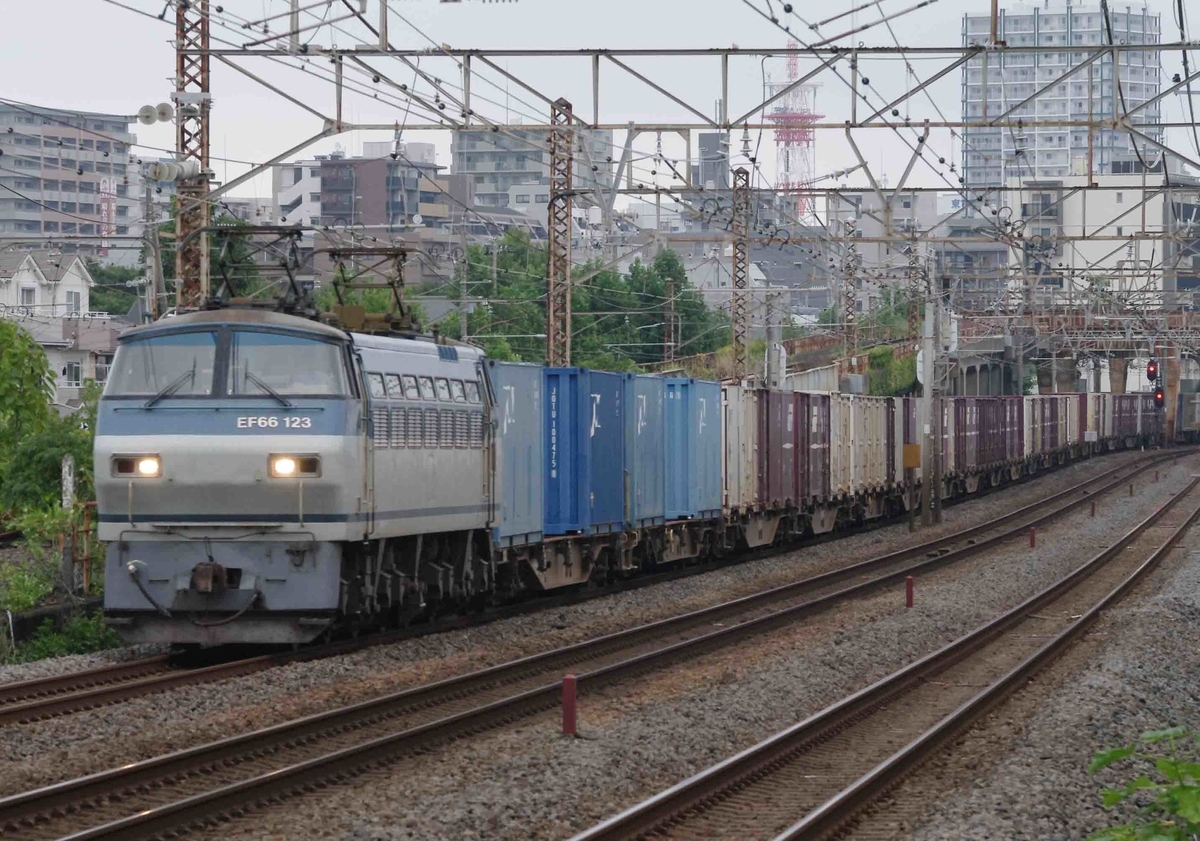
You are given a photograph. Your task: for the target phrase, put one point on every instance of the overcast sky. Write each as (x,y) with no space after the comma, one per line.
(90,54)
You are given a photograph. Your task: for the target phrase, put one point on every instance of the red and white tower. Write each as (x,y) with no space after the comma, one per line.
(795,145)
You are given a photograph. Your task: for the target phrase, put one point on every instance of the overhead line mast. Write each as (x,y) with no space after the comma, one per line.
(193,102)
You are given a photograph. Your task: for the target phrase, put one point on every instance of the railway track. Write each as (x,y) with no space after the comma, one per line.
(809,781)
(228,777)
(43,698)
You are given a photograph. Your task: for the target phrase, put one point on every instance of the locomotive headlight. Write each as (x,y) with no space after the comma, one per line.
(145,466)
(293,466)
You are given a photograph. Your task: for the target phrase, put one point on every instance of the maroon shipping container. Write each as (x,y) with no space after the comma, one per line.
(818,445)
(989,438)
(1083,416)
(960,435)
(800,402)
(776,447)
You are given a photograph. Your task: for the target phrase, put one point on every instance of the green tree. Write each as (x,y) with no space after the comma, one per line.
(26,389)
(618,320)
(110,294)
(34,472)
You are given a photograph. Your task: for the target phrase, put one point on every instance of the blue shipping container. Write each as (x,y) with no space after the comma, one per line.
(644,457)
(519,507)
(585,451)
(693,447)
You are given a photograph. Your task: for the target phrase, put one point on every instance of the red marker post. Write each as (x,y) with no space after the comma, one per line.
(1032,537)
(908,592)
(568,705)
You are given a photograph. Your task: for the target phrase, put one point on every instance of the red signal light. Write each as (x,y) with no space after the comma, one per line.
(1160,398)
(1152,370)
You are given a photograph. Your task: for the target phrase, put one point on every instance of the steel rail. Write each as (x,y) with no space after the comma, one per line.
(34,690)
(43,698)
(708,790)
(30,808)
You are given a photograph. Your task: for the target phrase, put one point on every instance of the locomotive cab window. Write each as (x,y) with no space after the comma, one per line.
(443,388)
(456,390)
(375,384)
(411,391)
(394,391)
(472,391)
(181,364)
(427,392)
(261,363)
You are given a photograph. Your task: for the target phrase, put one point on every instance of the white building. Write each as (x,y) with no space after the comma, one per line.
(45,285)
(48,295)
(1143,237)
(497,161)
(296,187)
(992,155)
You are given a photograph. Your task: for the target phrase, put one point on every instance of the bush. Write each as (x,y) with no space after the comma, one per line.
(34,475)
(23,585)
(1168,796)
(82,635)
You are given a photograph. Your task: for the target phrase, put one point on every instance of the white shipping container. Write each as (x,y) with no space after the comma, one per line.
(739,434)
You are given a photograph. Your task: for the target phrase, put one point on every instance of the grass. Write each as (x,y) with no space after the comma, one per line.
(81,635)
(25,583)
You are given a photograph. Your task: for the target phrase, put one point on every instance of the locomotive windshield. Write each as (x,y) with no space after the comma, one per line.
(261,363)
(183,362)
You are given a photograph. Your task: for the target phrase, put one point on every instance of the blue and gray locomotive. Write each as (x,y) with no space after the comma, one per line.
(260,476)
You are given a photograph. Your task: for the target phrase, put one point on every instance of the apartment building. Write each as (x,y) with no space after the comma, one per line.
(992,155)
(71,185)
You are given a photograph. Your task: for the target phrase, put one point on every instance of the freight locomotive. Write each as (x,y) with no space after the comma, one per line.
(263,478)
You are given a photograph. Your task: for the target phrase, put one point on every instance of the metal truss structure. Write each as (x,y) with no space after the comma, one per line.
(1101,265)
(560,230)
(739,304)
(192,98)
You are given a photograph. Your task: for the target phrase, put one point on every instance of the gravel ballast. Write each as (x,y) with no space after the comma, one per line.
(527,782)
(1022,773)
(146,727)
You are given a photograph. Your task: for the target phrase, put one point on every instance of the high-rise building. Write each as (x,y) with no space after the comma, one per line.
(496,161)
(991,156)
(68,174)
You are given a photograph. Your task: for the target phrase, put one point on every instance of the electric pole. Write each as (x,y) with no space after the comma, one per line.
(559,229)
(739,309)
(927,408)
(154,281)
(464,266)
(193,101)
(669,320)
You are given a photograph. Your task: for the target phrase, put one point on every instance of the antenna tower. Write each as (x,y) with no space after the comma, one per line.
(793,114)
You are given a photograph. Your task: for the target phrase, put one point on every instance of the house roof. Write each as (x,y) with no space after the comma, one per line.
(50,266)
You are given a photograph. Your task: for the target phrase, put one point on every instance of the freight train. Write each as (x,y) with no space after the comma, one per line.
(263,478)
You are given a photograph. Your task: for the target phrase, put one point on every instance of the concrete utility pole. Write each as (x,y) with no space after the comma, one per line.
(495,258)
(558,271)
(739,308)
(669,339)
(927,444)
(775,361)
(464,266)
(193,102)
(154,272)
(936,399)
